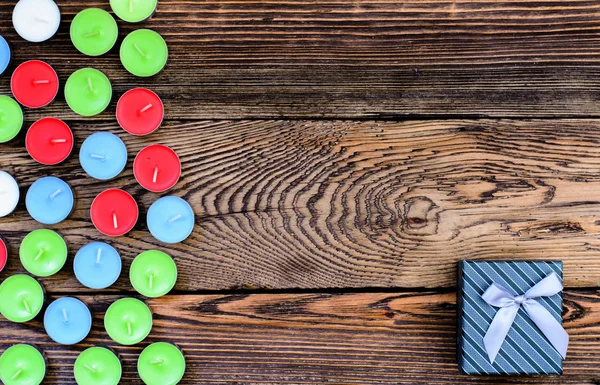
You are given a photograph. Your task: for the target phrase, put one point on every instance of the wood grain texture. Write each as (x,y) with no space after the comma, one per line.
(363,338)
(322,204)
(354,59)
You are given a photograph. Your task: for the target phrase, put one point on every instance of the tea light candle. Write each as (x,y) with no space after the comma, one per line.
(49,200)
(103,155)
(114,212)
(170,219)
(128,321)
(161,364)
(36,20)
(22,298)
(9,194)
(3,254)
(140,111)
(97,366)
(4,55)
(157,168)
(49,141)
(97,265)
(153,273)
(133,11)
(144,53)
(67,321)
(43,252)
(11,118)
(94,31)
(22,365)
(34,83)
(88,92)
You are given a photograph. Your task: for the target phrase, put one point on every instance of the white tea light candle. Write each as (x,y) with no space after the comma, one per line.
(9,194)
(36,20)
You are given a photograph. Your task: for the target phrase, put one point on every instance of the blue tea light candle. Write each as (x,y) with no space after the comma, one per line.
(67,321)
(97,265)
(103,155)
(4,55)
(170,219)
(49,200)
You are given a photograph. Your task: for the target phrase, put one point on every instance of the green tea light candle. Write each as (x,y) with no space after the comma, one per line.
(128,321)
(153,273)
(133,11)
(94,31)
(22,365)
(144,53)
(97,366)
(161,364)
(43,252)
(11,118)
(88,92)
(22,298)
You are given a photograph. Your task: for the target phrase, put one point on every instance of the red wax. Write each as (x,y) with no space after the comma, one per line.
(140,111)
(3,254)
(157,168)
(34,84)
(49,141)
(114,212)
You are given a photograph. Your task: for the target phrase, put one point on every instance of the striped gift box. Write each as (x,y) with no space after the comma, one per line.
(525,349)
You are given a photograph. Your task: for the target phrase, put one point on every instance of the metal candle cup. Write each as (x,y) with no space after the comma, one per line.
(153,273)
(128,321)
(22,365)
(34,84)
(49,141)
(43,252)
(22,298)
(114,212)
(67,321)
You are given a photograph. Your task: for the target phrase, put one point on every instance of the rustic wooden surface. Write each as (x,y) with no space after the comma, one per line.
(341,157)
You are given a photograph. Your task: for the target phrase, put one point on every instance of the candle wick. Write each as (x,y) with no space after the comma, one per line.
(65,317)
(56,141)
(97,156)
(137,47)
(95,33)
(130,6)
(54,194)
(158,361)
(17,374)
(151,279)
(129,332)
(26,304)
(155,176)
(98,256)
(36,82)
(146,108)
(90,368)
(41,20)
(90,85)
(115,222)
(176,217)
(39,254)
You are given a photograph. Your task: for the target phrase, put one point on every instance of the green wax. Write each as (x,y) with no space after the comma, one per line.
(94,31)
(161,364)
(97,366)
(128,321)
(88,92)
(43,252)
(22,298)
(133,11)
(22,365)
(11,118)
(153,273)
(144,53)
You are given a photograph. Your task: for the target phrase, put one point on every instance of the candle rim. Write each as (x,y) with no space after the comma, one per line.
(163,344)
(88,320)
(77,257)
(135,161)
(18,193)
(69,84)
(104,350)
(29,62)
(114,26)
(144,255)
(56,237)
(29,199)
(162,106)
(132,199)
(39,357)
(19,32)
(111,331)
(132,35)
(70,138)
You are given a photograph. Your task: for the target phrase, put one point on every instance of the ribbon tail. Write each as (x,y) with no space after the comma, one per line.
(548,325)
(496,333)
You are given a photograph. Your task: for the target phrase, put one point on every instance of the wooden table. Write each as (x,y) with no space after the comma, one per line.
(341,157)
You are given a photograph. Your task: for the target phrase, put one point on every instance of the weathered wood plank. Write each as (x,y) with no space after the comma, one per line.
(357,59)
(321,204)
(372,338)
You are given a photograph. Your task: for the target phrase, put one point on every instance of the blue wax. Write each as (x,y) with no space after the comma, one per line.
(67,321)
(103,155)
(49,200)
(97,265)
(170,219)
(4,55)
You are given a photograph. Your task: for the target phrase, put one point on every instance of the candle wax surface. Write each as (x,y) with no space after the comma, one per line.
(22,298)
(103,155)
(97,265)
(161,364)
(36,20)
(94,31)
(43,252)
(34,84)
(128,321)
(3,254)
(49,200)
(49,141)
(114,205)
(88,92)
(67,321)
(9,190)
(4,55)
(144,53)
(11,118)
(133,11)
(97,366)
(170,219)
(22,365)
(157,168)
(140,111)
(153,273)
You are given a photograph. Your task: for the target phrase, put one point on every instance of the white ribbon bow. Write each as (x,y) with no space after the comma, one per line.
(509,305)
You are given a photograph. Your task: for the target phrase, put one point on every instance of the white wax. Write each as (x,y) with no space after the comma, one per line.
(36,20)
(9,194)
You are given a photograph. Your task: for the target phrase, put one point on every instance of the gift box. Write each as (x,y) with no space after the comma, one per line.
(490,294)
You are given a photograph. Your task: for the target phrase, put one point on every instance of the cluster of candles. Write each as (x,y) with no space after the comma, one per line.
(113,212)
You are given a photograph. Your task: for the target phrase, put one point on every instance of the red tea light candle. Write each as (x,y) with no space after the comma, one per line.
(157,168)
(114,212)
(140,111)
(49,141)
(3,254)
(34,84)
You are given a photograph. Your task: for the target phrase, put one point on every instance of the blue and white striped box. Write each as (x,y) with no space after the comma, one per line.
(525,350)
